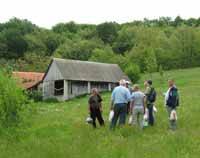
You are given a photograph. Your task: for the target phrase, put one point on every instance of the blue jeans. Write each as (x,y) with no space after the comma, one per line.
(151,117)
(119,112)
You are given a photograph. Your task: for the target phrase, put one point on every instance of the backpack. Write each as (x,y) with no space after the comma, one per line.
(152,96)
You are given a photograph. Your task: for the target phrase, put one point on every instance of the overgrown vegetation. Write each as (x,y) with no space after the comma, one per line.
(12,101)
(149,44)
(58,129)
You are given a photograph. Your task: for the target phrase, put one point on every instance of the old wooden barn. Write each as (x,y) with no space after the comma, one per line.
(66,79)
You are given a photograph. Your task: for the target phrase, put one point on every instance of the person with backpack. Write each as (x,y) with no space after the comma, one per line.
(172,102)
(150,94)
(95,107)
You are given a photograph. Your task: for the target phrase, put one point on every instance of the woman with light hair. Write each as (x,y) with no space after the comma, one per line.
(137,106)
(95,107)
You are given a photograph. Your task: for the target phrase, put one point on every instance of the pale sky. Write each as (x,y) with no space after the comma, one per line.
(46,13)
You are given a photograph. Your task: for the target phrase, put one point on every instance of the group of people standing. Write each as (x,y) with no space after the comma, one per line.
(132,101)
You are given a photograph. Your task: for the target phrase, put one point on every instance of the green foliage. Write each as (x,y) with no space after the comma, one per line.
(105,55)
(150,61)
(32,61)
(133,72)
(35,95)
(80,50)
(12,101)
(125,40)
(148,43)
(14,43)
(67,27)
(107,32)
(161,72)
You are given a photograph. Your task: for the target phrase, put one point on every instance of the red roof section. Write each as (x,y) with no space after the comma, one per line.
(28,79)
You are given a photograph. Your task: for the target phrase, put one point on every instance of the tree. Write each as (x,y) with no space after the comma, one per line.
(125,40)
(178,21)
(104,55)
(133,72)
(81,50)
(66,27)
(107,32)
(150,61)
(14,42)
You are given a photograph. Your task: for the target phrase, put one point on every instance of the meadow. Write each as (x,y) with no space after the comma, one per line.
(58,130)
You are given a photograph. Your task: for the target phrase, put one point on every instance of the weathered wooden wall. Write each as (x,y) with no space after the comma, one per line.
(76,88)
(49,80)
(71,88)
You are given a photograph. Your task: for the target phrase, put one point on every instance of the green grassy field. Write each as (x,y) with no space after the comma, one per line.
(59,129)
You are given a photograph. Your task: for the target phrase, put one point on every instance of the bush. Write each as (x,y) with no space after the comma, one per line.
(133,72)
(12,101)
(35,95)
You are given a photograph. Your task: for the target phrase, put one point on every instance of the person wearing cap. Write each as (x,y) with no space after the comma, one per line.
(148,93)
(137,106)
(119,99)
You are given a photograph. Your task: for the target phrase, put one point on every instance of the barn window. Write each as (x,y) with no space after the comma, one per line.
(59,87)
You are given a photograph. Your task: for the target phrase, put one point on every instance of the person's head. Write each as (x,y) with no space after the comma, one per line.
(148,83)
(170,82)
(122,82)
(127,83)
(136,87)
(94,91)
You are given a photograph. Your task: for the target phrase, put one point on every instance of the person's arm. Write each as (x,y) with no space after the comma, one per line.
(145,100)
(128,95)
(132,106)
(112,100)
(131,103)
(89,105)
(144,103)
(147,92)
(111,105)
(101,107)
(100,102)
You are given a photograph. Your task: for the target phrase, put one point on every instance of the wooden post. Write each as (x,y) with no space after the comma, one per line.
(109,86)
(66,97)
(43,90)
(89,87)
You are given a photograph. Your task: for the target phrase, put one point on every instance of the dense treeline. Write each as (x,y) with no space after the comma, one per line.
(138,46)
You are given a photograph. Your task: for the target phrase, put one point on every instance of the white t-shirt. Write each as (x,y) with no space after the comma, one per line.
(138,98)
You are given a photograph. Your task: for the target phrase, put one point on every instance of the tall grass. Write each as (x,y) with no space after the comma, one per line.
(58,130)
(12,101)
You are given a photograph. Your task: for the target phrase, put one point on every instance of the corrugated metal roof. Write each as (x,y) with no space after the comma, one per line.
(89,71)
(28,79)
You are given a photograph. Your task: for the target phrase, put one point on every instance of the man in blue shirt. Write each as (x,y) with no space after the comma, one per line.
(119,100)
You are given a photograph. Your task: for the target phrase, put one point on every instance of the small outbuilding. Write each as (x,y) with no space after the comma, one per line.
(67,79)
(29,80)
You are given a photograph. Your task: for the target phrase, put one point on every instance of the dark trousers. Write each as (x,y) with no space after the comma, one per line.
(120,111)
(96,113)
(128,107)
(151,117)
